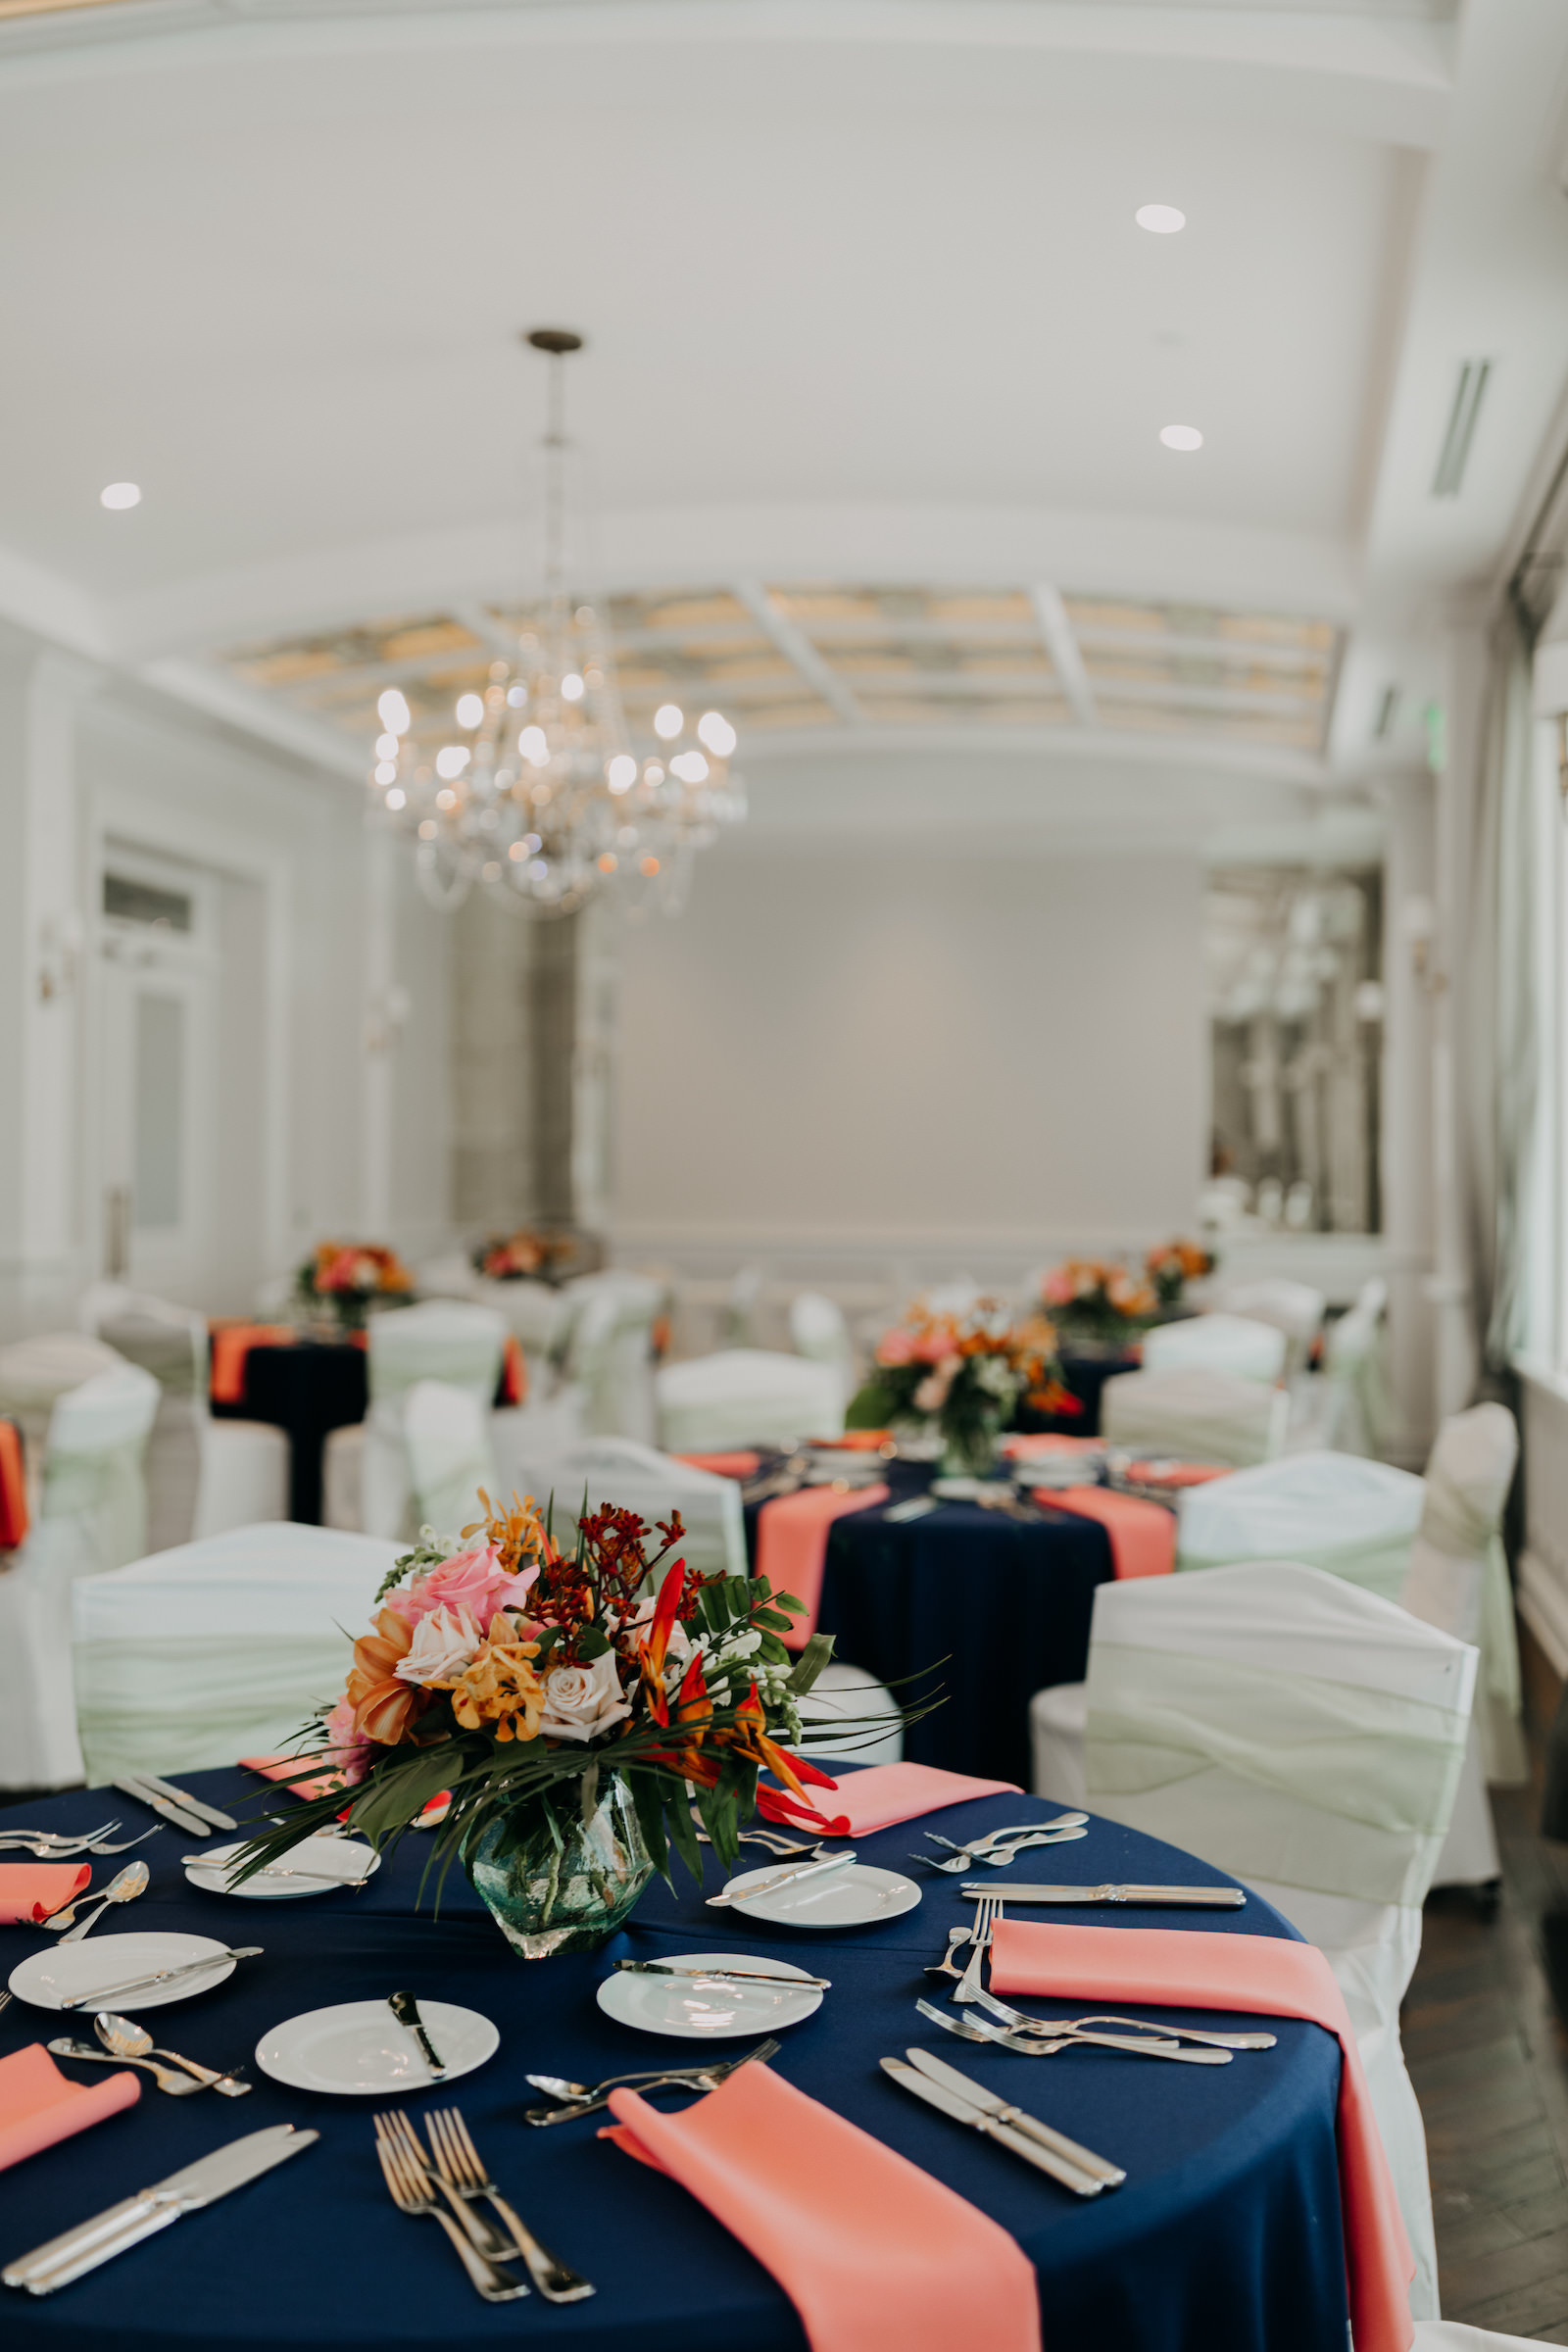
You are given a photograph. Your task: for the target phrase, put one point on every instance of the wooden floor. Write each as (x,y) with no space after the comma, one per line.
(1488,2054)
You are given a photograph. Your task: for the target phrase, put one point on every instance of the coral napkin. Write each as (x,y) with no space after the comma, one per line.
(30,1890)
(231,1344)
(1026,1446)
(281,1768)
(724,1465)
(513,1372)
(792,1546)
(39,2105)
(12,1488)
(876,2255)
(1143,1535)
(880,1795)
(1191,1969)
(1177,1474)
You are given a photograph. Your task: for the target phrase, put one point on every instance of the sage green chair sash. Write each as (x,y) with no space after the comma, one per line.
(1458,1574)
(1198,1415)
(1353,1518)
(443,1340)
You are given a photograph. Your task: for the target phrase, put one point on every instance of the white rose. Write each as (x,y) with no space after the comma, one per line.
(580,1701)
(443,1642)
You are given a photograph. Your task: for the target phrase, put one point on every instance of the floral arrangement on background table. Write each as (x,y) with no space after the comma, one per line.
(1097,1303)
(565,1705)
(961,1374)
(525,1256)
(343,1280)
(1172,1265)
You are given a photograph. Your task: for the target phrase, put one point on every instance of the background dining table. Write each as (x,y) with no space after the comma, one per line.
(1226,2237)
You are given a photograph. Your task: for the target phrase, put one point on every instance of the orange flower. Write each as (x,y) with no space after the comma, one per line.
(500,1686)
(384,1708)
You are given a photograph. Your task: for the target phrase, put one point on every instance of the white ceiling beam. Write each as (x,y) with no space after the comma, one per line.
(1062,646)
(793,643)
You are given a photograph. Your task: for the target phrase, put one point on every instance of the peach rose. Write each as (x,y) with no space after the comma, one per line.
(474,1580)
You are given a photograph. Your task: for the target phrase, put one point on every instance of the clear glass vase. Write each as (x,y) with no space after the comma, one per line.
(970,1444)
(556,1882)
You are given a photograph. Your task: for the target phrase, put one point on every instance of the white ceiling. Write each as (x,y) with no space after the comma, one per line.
(864,300)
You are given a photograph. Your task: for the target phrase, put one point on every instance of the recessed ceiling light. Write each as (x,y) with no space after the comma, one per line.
(1181,436)
(121,494)
(1161,220)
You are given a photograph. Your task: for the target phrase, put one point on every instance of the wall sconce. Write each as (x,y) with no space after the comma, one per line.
(59,938)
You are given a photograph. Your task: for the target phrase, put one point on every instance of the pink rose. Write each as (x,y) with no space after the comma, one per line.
(346,1752)
(474,1580)
(932,1394)
(895,1347)
(1057,1288)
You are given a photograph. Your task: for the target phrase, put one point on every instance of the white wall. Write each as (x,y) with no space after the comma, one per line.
(913,1050)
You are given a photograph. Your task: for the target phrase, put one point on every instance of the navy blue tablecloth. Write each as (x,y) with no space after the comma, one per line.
(1226,2237)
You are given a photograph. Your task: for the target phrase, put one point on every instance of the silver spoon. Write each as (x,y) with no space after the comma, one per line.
(127,2039)
(131,1882)
(179,2086)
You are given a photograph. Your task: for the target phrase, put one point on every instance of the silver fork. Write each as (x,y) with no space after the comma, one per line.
(986,1911)
(71,1849)
(462,2167)
(56,1837)
(409,2186)
(1023,2024)
(399,2136)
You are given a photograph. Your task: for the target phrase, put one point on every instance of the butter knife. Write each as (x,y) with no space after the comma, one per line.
(725,1975)
(781,1879)
(122,2225)
(1210,1898)
(406,2009)
(190,1804)
(1018,2143)
(147,1796)
(163,1976)
(961,2086)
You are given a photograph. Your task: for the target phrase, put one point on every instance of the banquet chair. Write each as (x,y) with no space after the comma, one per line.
(538,1317)
(1234,1345)
(1336,1511)
(1458,1579)
(1201,1415)
(1452,2335)
(450,1458)
(218,1649)
(847,1693)
(448,1277)
(34,1374)
(742,1304)
(365,1477)
(1308,1737)
(1296,1308)
(746,1396)
(818,1332)
(608,1351)
(635,1478)
(1346,1406)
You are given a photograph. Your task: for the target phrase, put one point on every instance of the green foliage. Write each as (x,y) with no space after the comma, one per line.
(873,1406)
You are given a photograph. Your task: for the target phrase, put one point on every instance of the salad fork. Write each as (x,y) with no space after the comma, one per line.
(986,1911)
(461,2166)
(1022,2023)
(411,2190)
(1133,2045)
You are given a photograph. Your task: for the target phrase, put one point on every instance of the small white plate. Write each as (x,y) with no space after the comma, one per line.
(846,1898)
(693,2010)
(360,2049)
(49,1978)
(962,1489)
(339,1859)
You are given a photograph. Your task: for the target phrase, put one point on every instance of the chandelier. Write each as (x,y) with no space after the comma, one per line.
(535,789)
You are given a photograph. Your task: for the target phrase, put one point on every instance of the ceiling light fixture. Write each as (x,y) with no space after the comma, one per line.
(563,795)
(1454,455)
(1181,436)
(1161,220)
(120,495)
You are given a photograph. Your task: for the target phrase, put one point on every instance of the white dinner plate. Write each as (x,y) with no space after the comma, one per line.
(846,1898)
(962,1489)
(360,2049)
(48,1978)
(338,1859)
(710,2009)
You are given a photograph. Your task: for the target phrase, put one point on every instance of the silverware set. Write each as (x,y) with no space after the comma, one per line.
(45,1846)
(125,2043)
(1022,2135)
(192,1814)
(1200,1898)
(1000,1847)
(584,2099)
(825,1866)
(1046,2041)
(447,2184)
(123,1887)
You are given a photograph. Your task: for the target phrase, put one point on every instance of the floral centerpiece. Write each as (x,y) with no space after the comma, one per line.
(566,1706)
(525,1256)
(1098,1304)
(1172,1265)
(961,1373)
(345,1279)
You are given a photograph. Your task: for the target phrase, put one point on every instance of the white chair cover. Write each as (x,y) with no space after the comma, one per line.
(33,1374)
(637,1479)
(847,1693)
(1294,1308)
(537,1316)
(1452,2335)
(1229,1344)
(92,1468)
(1200,1416)
(817,1329)
(445,1338)
(449,1276)
(609,1350)
(446,1435)
(1353,1518)
(1308,1737)
(219,1649)
(367,1479)
(1056,1719)
(745,1397)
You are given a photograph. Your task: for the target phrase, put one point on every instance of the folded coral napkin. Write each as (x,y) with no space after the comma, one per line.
(39,2105)
(1176,1474)
(1025,1445)
(12,1488)
(231,1344)
(724,1465)
(879,1796)
(1193,1969)
(792,1546)
(30,1890)
(876,2255)
(282,1768)
(1143,1535)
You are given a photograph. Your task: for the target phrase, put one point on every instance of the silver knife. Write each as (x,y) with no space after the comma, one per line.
(725,1975)
(1211,1898)
(83,2248)
(191,1804)
(781,1879)
(145,1795)
(963,2087)
(964,2111)
(406,2009)
(163,1976)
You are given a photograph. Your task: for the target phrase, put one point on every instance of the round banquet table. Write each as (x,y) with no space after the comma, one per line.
(307,1389)
(1225,2238)
(1003,1603)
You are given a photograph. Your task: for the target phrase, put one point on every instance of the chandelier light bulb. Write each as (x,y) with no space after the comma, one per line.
(669,721)
(1161,220)
(517,695)
(621,773)
(451,759)
(715,730)
(387,772)
(118,495)
(397,798)
(446,797)
(394,712)
(690,767)
(428,829)
(572,688)
(1181,436)
(386,747)
(471,710)
(534,747)
(517,852)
